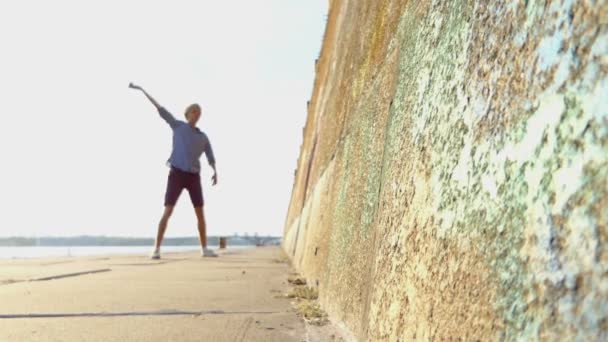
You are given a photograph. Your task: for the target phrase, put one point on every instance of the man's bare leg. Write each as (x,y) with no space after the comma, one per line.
(162,226)
(202,232)
(202,226)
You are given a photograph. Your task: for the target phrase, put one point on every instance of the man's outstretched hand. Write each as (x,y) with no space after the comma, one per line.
(133,86)
(214,179)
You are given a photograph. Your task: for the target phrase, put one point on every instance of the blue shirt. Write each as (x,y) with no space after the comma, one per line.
(189,143)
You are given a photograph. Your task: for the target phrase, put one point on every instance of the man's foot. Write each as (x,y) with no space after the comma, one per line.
(155,255)
(207,253)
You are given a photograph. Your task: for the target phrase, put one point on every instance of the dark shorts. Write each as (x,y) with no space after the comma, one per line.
(179,180)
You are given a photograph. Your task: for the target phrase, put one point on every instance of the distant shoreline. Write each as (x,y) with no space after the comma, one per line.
(100,241)
(41,252)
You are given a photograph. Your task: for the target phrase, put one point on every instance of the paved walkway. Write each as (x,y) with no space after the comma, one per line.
(181,297)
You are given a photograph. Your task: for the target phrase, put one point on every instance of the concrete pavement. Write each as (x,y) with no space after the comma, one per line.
(181,297)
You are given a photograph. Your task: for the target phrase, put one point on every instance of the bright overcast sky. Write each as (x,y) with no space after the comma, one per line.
(83,154)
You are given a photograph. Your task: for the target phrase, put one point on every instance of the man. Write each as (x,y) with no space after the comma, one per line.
(189,143)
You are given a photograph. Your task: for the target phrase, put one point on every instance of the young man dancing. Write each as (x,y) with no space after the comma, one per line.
(189,143)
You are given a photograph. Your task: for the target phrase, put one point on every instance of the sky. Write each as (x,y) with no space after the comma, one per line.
(82,154)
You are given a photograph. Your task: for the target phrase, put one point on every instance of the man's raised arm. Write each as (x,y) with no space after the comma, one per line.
(161,110)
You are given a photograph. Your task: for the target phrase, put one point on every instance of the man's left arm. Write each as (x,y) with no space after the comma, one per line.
(211,160)
(214,177)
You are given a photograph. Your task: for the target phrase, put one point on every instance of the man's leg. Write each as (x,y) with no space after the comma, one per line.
(162,226)
(196,196)
(174,189)
(202,227)
(202,232)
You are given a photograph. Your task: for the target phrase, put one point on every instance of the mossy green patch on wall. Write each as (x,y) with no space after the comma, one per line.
(469,167)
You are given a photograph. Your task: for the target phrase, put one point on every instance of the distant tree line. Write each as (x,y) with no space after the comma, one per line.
(120,241)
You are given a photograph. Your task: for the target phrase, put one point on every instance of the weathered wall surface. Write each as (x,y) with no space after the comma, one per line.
(453,179)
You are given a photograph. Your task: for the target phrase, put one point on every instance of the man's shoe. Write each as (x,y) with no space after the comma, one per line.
(155,255)
(207,253)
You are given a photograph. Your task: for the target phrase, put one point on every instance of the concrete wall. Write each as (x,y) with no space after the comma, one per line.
(453,176)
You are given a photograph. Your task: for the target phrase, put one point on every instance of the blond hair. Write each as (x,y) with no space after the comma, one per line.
(192,107)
